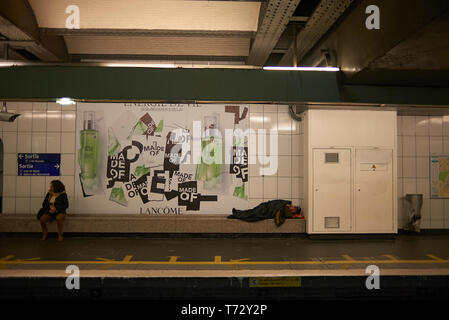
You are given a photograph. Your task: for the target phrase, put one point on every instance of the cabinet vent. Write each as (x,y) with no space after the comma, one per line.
(332,222)
(331,157)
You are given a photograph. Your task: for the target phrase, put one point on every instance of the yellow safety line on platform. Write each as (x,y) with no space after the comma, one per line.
(434,257)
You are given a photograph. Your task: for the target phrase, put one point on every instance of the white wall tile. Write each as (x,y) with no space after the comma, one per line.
(409,185)
(296,127)
(38,187)
(256,121)
(254,202)
(72,107)
(446,126)
(422,167)
(399,125)
(423,187)
(23,186)
(39,106)
(254,170)
(295,166)
(270,186)
(296,145)
(36,204)
(53,142)
(436,224)
(409,167)
(446,209)
(296,188)
(25,106)
(9,186)
(67,164)
(38,142)
(24,142)
(68,121)
(68,142)
(284,166)
(408,125)
(285,145)
(436,146)
(301,188)
(283,108)
(256,108)
(400,138)
(268,108)
(256,187)
(10,164)
(48,180)
(400,188)
(39,121)
(425,224)
(408,146)
(422,146)
(400,167)
(9,142)
(270,121)
(54,121)
(284,123)
(69,183)
(24,122)
(9,204)
(284,188)
(425,210)
(422,126)
(446,146)
(301,166)
(22,205)
(53,106)
(436,126)
(436,209)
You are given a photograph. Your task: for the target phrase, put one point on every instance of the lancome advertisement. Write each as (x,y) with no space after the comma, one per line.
(161,159)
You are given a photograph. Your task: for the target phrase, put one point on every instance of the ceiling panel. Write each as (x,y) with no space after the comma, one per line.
(207,46)
(151,14)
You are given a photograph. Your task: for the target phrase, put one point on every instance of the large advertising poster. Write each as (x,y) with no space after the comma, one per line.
(166,159)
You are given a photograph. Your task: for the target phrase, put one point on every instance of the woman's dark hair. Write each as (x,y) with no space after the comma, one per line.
(58,186)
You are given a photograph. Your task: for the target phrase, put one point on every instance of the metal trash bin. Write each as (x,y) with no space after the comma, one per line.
(414,205)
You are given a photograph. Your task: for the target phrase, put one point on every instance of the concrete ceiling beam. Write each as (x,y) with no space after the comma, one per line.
(276,16)
(18,23)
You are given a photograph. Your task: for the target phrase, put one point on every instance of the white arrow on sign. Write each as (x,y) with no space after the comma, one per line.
(57,166)
(20,156)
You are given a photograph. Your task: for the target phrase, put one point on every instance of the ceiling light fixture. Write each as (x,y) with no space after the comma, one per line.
(65,101)
(332,69)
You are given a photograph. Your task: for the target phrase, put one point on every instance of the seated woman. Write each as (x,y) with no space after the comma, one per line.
(54,208)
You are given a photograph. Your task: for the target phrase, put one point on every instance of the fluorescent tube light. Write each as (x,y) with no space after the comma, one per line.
(65,101)
(333,69)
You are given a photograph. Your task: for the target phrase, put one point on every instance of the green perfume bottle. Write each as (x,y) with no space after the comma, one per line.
(88,153)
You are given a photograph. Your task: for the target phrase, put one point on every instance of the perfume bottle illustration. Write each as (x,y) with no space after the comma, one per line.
(210,173)
(88,153)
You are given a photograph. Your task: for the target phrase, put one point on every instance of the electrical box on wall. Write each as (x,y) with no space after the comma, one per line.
(350,171)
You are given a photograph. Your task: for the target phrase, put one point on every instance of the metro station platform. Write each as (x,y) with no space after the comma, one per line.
(293,267)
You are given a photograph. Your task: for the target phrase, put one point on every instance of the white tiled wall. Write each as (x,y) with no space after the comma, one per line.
(287,182)
(43,128)
(420,137)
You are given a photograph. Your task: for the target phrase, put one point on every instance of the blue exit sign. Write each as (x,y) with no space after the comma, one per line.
(38,164)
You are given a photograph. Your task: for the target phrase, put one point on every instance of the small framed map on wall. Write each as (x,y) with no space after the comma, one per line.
(439,176)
